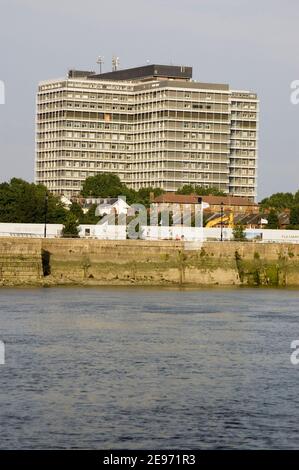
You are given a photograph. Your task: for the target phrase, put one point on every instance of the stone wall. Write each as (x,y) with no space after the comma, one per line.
(109,262)
(137,262)
(273,264)
(20,261)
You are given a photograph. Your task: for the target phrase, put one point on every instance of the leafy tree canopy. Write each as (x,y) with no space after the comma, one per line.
(280,201)
(143,195)
(239,232)
(70,228)
(103,185)
(90,217)
(273,221)
(23,202)
(294,216)
(110,185)
(200,190)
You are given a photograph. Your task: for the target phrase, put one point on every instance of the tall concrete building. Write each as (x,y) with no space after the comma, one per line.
(152,126)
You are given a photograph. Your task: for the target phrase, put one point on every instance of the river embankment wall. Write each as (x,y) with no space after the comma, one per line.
(50,262)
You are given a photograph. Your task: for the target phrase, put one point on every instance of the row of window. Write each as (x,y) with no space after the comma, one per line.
(137,96)
(108,127)
(132,147)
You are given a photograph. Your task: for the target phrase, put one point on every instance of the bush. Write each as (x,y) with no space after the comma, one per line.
(239,232)
(273,221)
(70,228)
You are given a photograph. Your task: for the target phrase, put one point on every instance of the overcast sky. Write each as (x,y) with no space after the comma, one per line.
(250,44)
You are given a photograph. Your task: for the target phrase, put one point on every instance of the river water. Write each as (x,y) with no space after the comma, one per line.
(148,369)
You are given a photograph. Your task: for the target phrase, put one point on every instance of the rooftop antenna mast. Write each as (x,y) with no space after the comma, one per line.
(100,61)
(115,63)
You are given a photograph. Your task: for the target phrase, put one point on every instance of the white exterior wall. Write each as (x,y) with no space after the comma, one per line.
(172,233)
(103,232)
(118,232)
(267,235)
(30,230)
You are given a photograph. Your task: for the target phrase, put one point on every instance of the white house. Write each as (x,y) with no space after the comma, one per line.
(66,202)
(113,205)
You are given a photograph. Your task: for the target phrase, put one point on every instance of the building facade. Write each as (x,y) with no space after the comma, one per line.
(152,126)
(232,204)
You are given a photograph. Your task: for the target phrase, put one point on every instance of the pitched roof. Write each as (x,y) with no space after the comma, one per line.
(212,200)
(177,198)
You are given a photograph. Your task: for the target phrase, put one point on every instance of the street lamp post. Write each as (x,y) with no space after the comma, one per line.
(221,222)
(46,213)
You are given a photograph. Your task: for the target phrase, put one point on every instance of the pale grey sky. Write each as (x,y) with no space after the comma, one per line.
(250,44)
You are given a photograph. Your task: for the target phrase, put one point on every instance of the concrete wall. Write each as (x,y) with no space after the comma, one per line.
(130,262)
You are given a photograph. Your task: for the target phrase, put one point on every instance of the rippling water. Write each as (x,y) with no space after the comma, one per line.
(148,368)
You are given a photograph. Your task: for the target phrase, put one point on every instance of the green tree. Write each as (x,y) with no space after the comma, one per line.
(200,190)
(76,209)
(90,217)
(186,189)
(23,202)
(210,191)
(294,216)
(143,195)
(130,194)
(70,228)
(239,232)
(103,185)
(109,185)
(273,221)
(278,201)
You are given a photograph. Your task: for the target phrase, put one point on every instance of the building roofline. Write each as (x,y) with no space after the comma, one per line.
(182,72)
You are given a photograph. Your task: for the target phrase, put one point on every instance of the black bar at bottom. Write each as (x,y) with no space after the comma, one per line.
(145,458)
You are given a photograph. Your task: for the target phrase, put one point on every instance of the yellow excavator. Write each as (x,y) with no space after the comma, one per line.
(225,218)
